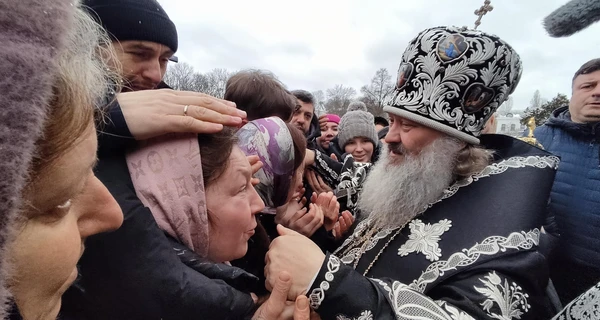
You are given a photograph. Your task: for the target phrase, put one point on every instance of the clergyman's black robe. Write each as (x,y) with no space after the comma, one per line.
(471,255)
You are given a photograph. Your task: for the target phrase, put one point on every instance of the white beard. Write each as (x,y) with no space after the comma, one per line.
(396,192)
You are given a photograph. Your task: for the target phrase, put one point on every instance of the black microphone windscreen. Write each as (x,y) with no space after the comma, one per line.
(572,17)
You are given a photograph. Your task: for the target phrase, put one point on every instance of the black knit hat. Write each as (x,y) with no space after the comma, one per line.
(134,20)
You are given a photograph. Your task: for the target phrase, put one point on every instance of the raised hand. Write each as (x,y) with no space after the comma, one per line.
(344,224)
(316,182)
(151,113)
(296,254)
(278,307)
(256,164)
(294,216)
(330,207)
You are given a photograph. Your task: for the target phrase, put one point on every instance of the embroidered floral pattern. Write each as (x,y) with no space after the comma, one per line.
(365,315)
(446,61)
(424,238)
(489,246)
(585,307)
(318,294)
(409,304)
(504,301)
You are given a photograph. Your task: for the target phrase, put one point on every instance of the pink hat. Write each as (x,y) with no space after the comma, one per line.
(333,118)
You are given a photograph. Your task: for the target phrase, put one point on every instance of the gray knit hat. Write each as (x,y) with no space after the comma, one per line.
(356,123)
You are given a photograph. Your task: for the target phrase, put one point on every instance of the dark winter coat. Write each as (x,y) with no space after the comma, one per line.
(137,272)
(575,201)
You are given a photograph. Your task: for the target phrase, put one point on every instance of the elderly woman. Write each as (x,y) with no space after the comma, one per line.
(50,197)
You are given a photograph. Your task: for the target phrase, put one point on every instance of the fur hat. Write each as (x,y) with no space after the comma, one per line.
(32,33)
(354,124)
(572,17)
(453,79)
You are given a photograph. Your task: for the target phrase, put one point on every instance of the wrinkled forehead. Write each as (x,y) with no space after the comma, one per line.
(587,77)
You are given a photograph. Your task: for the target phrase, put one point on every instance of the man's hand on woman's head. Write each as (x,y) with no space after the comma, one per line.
(152,113)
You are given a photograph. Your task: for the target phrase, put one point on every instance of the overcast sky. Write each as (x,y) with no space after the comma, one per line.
(316,44)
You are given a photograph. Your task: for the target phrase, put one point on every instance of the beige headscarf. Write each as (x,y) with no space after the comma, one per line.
(167,175)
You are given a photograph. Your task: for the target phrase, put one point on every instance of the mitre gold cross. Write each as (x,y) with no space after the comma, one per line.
(485,8)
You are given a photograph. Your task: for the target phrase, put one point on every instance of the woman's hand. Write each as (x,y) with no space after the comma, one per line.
(278,307)
(330,207)
(296,254)
(256,164)
(344,224)
(293,215)
(323,122)
(309,158)
(316,182)
(151,113)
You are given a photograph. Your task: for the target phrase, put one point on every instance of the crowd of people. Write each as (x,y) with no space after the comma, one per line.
(121,198)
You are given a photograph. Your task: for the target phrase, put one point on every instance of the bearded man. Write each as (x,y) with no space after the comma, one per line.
(451,218)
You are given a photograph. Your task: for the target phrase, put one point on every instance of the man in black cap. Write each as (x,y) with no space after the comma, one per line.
(144,38)
(135,272)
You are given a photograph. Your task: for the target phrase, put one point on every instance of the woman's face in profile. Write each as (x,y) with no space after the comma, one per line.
(232,204)
(64,205)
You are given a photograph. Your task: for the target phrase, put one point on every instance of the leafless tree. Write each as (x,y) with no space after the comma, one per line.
(180,76)
(319,102)
(338,99)
(183,77)
(536,100)
(506,107)
(217,79)
(377,91)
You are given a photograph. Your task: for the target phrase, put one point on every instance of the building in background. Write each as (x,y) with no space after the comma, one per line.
(509,124)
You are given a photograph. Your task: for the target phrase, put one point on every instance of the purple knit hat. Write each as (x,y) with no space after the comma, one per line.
(270,139)
(32,33)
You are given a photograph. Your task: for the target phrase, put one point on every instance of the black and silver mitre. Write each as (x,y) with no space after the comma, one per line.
(453,79)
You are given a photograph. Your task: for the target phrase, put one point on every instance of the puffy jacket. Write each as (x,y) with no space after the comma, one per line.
(575,200)
(137,272)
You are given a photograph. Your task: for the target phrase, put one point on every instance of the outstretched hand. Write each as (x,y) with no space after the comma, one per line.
(256,164)
(293,215)
(278,307)
(296,254)
(152,113)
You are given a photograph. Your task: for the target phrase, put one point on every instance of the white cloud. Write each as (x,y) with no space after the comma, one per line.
(316,44)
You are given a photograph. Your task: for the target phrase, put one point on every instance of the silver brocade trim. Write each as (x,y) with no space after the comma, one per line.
(489,246)
(585,307)
(318,294)
(324,165)
(365,315)
(540,162)
(500,167)
(409,304)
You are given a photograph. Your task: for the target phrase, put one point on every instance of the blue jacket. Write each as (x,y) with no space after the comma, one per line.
(575,196)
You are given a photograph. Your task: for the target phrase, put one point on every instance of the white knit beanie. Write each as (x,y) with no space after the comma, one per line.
(357,123)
